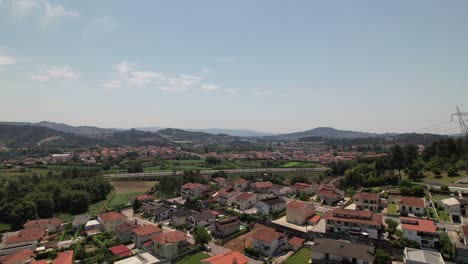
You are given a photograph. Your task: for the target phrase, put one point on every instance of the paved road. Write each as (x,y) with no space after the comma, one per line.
(209,172)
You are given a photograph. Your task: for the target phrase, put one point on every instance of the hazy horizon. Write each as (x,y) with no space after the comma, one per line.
(268,66)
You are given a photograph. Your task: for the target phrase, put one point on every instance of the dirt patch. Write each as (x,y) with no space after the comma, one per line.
(132,186)
(237,244)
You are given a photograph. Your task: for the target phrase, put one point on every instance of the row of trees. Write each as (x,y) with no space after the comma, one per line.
(42,196)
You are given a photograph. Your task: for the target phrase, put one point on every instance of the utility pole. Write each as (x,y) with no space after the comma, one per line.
(463,128)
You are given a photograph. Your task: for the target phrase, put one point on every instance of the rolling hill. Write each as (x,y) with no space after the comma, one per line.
(327,132)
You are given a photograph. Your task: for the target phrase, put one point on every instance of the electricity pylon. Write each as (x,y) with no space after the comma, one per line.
(461,119)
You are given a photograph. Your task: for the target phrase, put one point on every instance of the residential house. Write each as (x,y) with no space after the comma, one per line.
(298,212)
(65,257)
(22,256)
(280,190)
(163,212)
(232,257)
(120,250)
(328,251)
(461,249)
(295,243)
(354,222)
(124,231)
(25,239)
(225,227)
(463,207)
(93,224)
(143,234)
(192,190)
(419,256)
(314,220)
(412,206)
(149,208)
(303,188)
(421,231)
(51,224)
(261,187)
(168,245)
(80,220)
(227,196)
(111,220)
(239,184)
(179,218)
(269,243)
(219,181)
(453,208)
(144,198)
(203,219)
(269,205)
(329,195)
(367,201)
(246,201)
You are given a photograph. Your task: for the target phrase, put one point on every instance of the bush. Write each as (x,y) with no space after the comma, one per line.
(252,252)
(452,171)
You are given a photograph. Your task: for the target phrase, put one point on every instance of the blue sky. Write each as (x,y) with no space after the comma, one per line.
(276,66)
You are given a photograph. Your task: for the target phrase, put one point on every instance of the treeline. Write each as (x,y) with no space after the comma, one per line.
(447,154)
(43,196)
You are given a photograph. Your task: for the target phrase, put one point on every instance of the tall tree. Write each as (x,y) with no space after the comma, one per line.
(397,159)
(201,236)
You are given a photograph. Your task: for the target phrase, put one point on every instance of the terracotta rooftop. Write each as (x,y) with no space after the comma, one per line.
(265,184)
(352,213)
(301,185)
(226,258)
(267,236)
(367,196)
(297,205)
(23,256)
(123,227)
(144,197)
(42,222)
(27,235)
(120,250)
(410,201)
(170,237)
(315,219)
(296,241)
(417,224)
(65,257)
(111,216)
(245,196)
(191,185)
(375,220)
(146,230)
(329,192)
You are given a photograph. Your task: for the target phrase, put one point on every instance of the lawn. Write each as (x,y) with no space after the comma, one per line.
(121,200)
(430,177)
(18,172)
(301,256)
(443,216)
(122,187)
(4,227)
(392,209)
(194,259)
(298,164)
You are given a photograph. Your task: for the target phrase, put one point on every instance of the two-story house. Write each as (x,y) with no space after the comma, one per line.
(203,219)
(227,196)
(280,190)
(269,205)
(143,234)
(192,190)
(419,256)
(303,188)
(453,208)
(168,245)
(179,218)
(421,231)
(269,243)
(225,227)
(329,195)
(232,257)
(111,219)
(354,222)
(367,201)
(261,187)
(123,232)
(51,224)
(299,212)
(246,201)
(410,206)
(330,251)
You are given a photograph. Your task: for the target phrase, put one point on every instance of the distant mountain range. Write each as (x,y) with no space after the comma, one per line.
(328,132)
(78,130)
(230,132)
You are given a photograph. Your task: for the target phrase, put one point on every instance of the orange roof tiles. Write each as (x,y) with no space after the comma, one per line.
(192,186)
(265,184)
(296,241)
(366,196)
(42,222)
(226,258)
(111,216)
(315,219)
(297,204)
(27,235)
(19,257)
(146,230)
(120,250)
(417,224)
(245,196)
(170,237)
(410,201)
(267,236)
(65,257)
(374,220)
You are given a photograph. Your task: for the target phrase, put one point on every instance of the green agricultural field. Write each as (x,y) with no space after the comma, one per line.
(26,172)
(301,256)
(194,259)
(430,177)
(299,164)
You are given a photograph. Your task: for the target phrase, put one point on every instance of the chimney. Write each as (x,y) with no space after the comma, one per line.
(234,261)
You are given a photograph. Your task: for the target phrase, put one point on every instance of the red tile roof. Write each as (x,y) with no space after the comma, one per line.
(352,213)
(19,257)
(329,192)
(192,186)
(111,216)
(301,186)
(315,219)
(464,230)
(417,224)
(296,241)
(144,197)
(42,261)
(367,196)
(375,220)
(146,230)
(245,196)
(120,250)
(27,235)
(267,236)
(123,227)
(170,237)
(65,257)
(297,205)
(265,184)
(226,258)
(42,222)
(410,201)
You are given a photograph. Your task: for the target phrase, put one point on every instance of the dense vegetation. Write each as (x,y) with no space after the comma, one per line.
(43,196)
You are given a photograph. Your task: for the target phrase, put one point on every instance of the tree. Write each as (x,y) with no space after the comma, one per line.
(446,247)
(414,172)
(24,211)
(136,205)
(201,236)
(410,153)
(135,167)
(382,257)
(397,159)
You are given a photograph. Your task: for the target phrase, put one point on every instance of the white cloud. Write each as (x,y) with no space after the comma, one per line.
(230,90)
(208,87)
(46,12)
(180,83)
(56,72)
(129,77)
(7,60)
(99,25)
